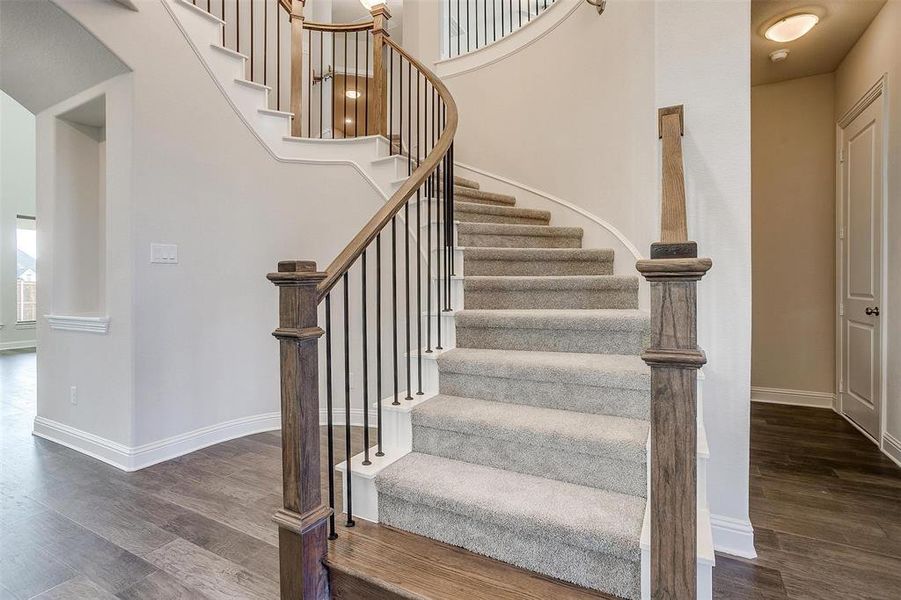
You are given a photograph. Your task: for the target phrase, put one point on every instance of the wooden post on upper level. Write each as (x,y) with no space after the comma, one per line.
(674,357)
(303,521)
(380,17)
(297,66)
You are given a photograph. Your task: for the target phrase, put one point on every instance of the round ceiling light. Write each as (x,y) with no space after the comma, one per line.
(352,94)
(348,120)
(791,28)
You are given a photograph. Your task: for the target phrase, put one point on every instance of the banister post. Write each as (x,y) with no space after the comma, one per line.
(297,66)
(303,520)
(380,17)
(674,358)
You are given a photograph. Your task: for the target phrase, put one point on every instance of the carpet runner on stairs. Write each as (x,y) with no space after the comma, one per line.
(534,450)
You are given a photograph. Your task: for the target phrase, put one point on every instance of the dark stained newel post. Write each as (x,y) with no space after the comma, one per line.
(303,521)
(673,272)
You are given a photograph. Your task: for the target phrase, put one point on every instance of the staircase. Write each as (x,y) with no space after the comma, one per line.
(525,431)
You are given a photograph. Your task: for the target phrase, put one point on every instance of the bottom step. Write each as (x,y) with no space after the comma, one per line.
(377,562)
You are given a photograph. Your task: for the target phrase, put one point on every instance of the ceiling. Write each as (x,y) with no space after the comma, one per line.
(821,51)
(48,56)
(352,11)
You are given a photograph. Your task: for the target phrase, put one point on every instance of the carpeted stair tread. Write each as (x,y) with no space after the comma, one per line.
(536,262)
(463,182)
(604,436)
(466,194)
(558,319)
(551,292)
(550,282)
(519,230)
(474,212)
(597,520)
(538,254)
(601,370)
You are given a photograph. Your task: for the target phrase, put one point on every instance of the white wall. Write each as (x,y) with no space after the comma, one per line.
(17,197)
(199,351)
(703,61)
(878,53)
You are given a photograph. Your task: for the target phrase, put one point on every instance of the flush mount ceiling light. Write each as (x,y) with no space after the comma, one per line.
(348,120)
(352,94)
(791,28)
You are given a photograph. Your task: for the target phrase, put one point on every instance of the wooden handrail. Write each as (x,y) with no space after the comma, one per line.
(673,222)
(340,27)
(674,357)
(383,216)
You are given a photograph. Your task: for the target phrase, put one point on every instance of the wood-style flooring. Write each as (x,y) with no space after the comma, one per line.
(825,504)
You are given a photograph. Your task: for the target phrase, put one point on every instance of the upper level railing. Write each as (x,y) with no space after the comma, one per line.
(473,24)
(674,357)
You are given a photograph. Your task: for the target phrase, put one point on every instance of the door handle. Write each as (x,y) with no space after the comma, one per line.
(872,312)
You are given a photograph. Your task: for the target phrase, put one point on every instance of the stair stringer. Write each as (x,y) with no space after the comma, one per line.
(369,155)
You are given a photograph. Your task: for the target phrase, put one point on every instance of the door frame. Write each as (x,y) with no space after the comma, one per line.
(877,93)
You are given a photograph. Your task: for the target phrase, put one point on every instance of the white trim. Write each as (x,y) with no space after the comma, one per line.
(508,45)
(25,325)
(577,209)
(733,536)
(891,446)
(85,324)
(18,345)
(792,397)
(132,458)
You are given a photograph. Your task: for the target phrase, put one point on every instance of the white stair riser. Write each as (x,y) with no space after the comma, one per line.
(448,329)
(226,67)
(248,99)
(390,170)
(198,25)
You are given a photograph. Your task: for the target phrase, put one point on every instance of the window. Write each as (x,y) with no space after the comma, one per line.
(26,269)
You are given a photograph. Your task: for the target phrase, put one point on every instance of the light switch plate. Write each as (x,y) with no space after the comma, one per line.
(164,254)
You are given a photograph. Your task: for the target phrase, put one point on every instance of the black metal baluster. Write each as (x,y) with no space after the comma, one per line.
(407,294)
(344,79)
(467,25)
(251,41)
(458,27)
(477,21)
(431,195)
(309,85)
(418,249)
(439,287)
(450,24)
(330,415)
(366,460)
(348,483)
(450,168)
(378,340)
(409,121)
(391,100)
(266,41)
(356,82)
(321,85)
(520,12)
(366,101)
(238,27)
(502,18)
(332,100)
(394,305)
(494,20)
(278,59)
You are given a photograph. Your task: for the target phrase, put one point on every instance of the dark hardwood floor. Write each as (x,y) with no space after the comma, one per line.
(825,504)
(826,510)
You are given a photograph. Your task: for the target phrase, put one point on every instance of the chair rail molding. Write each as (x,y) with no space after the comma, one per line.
(76,323)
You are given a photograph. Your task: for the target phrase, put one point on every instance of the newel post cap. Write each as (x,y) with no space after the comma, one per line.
(296,272)
(673,269)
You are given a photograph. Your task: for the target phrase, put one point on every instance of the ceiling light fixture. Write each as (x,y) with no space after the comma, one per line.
(348,120)
(791,28)
(352,94)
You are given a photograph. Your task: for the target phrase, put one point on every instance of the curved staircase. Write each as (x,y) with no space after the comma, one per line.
(533,451)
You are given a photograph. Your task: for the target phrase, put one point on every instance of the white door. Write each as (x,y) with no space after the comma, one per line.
(861,293)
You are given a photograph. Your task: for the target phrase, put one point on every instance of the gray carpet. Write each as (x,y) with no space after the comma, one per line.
(534,452)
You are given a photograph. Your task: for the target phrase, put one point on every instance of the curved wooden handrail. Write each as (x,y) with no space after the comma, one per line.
(338,27)
(380,219)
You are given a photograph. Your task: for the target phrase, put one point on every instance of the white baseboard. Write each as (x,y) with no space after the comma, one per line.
(792,397)
(22,345)
(733,536)
(891,446)
(133,458)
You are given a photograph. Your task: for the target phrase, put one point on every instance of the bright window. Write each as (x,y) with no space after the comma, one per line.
(26,270)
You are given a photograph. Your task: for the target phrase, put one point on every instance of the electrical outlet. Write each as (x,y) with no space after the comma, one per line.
(73,395)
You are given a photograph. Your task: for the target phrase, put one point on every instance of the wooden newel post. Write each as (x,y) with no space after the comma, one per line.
(380,17)
(297,66)
(303,522)
(674,358)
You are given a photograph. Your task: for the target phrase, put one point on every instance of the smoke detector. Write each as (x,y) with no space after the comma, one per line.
(779,55)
